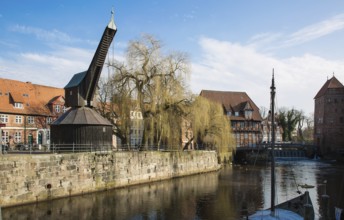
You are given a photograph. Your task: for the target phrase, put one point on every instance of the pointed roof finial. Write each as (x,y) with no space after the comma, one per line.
(273,80)
(333,74)
(112,21)
(273,75)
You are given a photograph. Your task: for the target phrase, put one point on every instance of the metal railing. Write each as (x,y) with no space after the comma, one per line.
(75,148)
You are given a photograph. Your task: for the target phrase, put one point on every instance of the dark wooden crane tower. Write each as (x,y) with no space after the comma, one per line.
(81,126)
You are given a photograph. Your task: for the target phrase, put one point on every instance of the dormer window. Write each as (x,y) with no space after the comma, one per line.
(229,113)
(57,108)
(49,120)
(248,114)
(64,109)
(18,105)
(236,114)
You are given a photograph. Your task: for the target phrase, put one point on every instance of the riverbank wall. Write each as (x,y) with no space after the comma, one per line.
(38,177)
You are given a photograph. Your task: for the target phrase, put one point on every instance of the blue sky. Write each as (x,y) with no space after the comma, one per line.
(232,45)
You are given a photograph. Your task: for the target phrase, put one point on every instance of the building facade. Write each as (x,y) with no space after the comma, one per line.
(27,110)
(243,114)
(329,117)
(136,128)
(267,131)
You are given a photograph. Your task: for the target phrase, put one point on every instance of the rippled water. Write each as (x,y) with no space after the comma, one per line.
(227,194)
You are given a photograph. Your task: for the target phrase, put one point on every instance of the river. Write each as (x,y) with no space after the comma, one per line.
(225,194)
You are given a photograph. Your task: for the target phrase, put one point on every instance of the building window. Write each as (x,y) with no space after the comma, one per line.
(30,120)
(4,118)
(57,108)
(229,113)
(5,137)
(48,135)
(49,120)
(64,109)
(242,124)
(248,114)
(18,105)
(17,137)
(236,114)
(19,119)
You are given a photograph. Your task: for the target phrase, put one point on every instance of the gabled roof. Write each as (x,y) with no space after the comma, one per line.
(332,83)
(233,101)
(33,97)
(16,97)
(76,80)
(57,100)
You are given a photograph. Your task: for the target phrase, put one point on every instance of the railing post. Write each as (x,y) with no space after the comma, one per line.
(73,147)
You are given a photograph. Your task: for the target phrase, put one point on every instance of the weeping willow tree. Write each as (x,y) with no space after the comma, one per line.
(155,84)
(211,127)
(115,104)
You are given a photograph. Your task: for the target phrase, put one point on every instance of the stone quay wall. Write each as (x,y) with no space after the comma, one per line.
(39,177)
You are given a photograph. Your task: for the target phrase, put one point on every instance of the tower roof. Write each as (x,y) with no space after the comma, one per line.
(81,116)
(112,24)
(332,83)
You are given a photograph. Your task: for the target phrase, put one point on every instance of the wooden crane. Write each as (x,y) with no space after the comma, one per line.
(79,92)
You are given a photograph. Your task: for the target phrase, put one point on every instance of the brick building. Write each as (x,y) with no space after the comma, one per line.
(243,114)
(26,111)
(329,117)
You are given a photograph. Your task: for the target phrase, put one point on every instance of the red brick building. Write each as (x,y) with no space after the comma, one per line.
(329,117)
(243,114)
(26,110)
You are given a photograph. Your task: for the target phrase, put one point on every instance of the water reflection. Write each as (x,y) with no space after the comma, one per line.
(228,194)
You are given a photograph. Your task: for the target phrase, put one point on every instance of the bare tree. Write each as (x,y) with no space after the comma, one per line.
(155,84)
(263,111)
(300,116)
(308,131)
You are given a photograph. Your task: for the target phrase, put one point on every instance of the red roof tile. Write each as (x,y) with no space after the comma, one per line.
(233,102)
(332,83)
(34,98)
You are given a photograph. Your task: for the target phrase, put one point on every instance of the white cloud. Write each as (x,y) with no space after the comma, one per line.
(234,67)
(48,35)
(46,69)
(270,41)
(264,40)
(316,30)
(53,68)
